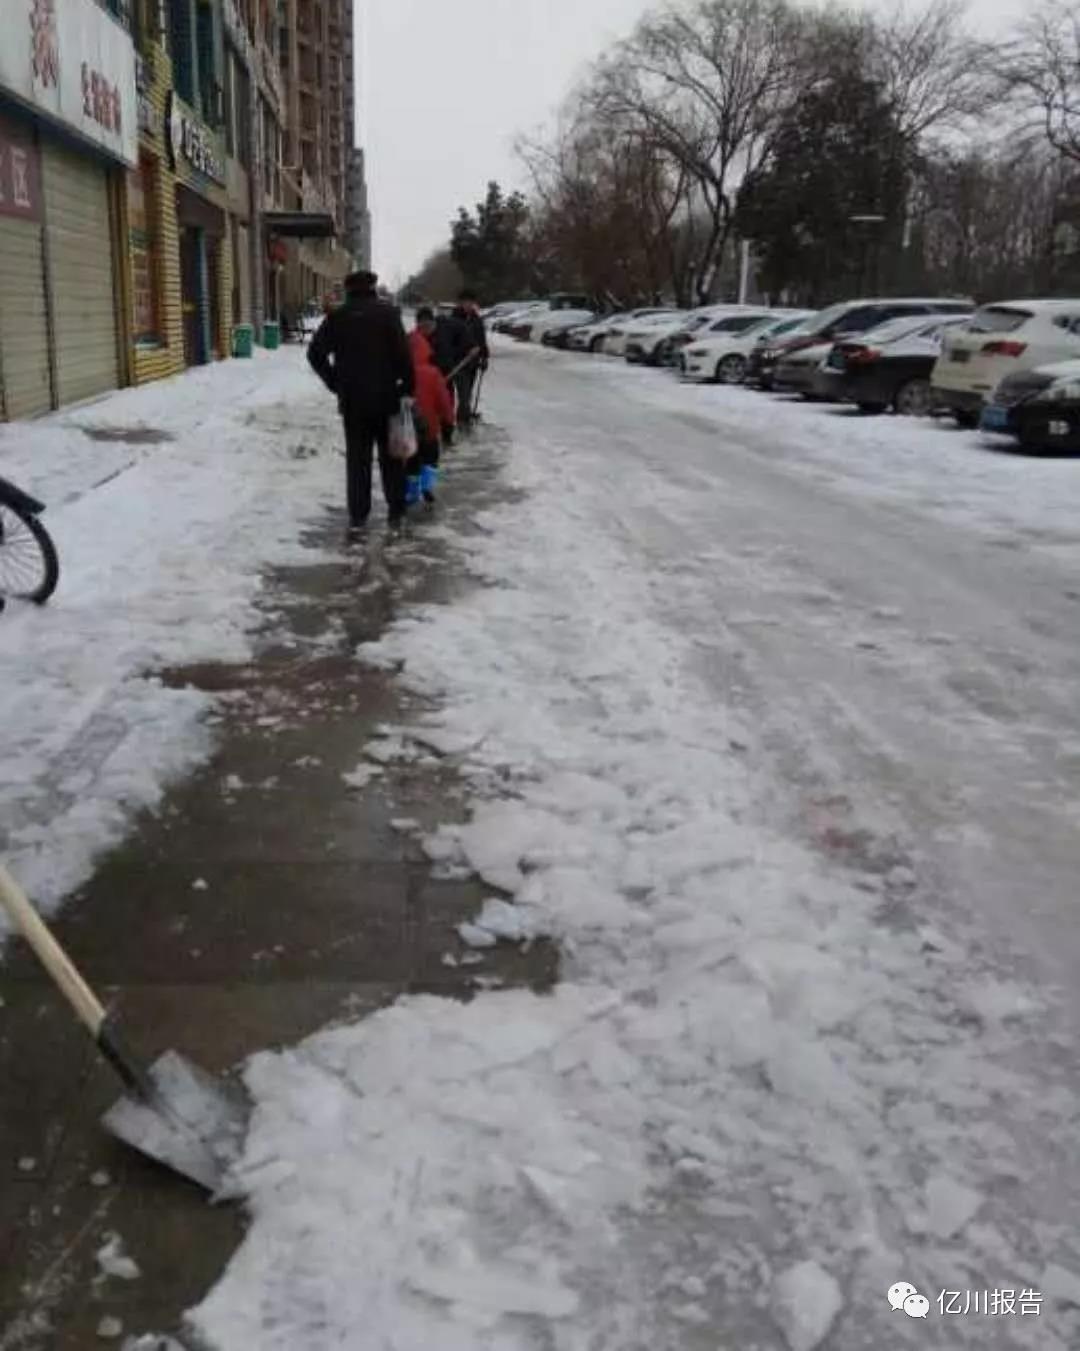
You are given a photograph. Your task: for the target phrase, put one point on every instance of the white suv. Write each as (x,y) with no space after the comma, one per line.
(1001,339)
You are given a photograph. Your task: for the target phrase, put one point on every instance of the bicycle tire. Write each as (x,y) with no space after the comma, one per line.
(49,558)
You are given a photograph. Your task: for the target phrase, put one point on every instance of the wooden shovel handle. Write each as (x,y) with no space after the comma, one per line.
(50,954)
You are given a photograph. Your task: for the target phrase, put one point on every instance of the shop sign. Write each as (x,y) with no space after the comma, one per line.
(20,172)
(191,142)
(76,65)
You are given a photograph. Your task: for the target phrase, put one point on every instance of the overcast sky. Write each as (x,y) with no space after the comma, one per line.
(444,86)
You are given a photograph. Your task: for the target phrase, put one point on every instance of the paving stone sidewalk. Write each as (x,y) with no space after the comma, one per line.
(264,899)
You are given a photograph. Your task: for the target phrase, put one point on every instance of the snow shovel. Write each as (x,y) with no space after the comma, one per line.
(476,394)
(473,354)
(174,1112)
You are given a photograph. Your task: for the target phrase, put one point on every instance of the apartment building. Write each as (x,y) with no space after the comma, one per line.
(316,55)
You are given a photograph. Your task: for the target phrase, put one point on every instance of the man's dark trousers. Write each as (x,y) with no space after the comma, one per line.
(466,382)
(363,433)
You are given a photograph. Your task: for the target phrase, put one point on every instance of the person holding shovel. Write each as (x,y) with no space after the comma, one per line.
(361,354)
(468,315)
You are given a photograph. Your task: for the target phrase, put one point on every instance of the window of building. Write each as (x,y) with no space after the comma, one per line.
(182,49)
(122,10)
(230,102)
(211,93)
(145,262)
(242,102)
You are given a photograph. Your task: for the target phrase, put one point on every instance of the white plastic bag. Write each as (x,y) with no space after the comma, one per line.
(403,443)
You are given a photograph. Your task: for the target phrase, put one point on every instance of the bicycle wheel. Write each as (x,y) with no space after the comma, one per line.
(29,567)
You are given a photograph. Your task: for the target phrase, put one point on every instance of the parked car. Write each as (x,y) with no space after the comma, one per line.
(645,344)
(725,356)
(1049,418)
(553,332)
(848,316)
(590,337)
(569,300)
(616,337)
(496,312)
(732,321)
(551,320)
(1001,340)
(889,367)
(507,322)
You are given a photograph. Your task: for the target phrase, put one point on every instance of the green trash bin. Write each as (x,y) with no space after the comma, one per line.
(243,340)
(271,336)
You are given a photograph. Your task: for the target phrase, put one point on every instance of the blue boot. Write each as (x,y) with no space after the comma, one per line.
(429,478)
(412,490)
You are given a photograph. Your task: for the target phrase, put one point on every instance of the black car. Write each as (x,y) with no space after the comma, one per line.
(847,317)
(1040,407)
(888,367)
(1044,425)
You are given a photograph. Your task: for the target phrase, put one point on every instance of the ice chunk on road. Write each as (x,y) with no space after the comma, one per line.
(806,1302)
(950,1206)
(113,1261)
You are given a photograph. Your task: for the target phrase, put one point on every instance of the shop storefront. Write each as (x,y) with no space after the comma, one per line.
(67,131)
(205,234)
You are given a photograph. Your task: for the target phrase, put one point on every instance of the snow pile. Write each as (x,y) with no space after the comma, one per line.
(717,1129)
(161,546)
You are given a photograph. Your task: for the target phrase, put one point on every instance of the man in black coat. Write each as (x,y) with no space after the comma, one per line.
(467,314)
(361,354)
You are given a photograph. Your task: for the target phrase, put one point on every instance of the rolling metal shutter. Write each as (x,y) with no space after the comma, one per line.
(81,281)
(24,329)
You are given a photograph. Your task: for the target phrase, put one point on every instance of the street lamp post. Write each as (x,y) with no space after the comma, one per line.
(870,220)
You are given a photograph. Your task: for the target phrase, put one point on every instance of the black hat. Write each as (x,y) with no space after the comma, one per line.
(361,281)
(424,312)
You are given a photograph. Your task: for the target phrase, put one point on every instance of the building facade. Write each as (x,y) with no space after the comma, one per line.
(316,56)
(357,214)
(169,170)
(68,138)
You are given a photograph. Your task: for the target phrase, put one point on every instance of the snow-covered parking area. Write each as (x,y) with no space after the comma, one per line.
(768,715)
(165,502)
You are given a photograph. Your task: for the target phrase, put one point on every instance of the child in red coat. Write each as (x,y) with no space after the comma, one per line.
(434,410)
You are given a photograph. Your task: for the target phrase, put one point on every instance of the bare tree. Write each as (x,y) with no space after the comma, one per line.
(1041,68)
(933,73)
(702,83)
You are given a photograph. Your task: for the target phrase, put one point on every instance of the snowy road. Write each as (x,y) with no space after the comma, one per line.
(768,715)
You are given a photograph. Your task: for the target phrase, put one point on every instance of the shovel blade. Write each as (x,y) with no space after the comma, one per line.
(191,1122)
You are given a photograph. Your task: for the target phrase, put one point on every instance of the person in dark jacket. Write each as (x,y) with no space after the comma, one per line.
(467,313)
(450,341)
(361,354)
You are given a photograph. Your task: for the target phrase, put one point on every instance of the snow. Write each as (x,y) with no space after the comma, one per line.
(754,1064)
(113,1261)
(950,1206)
(765,1085)
(161,544)
(807,1301)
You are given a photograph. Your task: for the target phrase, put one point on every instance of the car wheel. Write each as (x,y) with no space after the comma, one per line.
(913,398)
(872,407)
(731,369)
(966,419)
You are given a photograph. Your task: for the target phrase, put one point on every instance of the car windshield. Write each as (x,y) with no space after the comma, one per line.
(792,328)
(998,319)
(901,327)
(736,323)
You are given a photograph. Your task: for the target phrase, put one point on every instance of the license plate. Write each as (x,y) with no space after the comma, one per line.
(1057,428)
(994,418)
(960,354)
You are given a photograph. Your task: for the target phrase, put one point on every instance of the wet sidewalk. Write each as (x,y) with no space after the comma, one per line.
(265,898)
